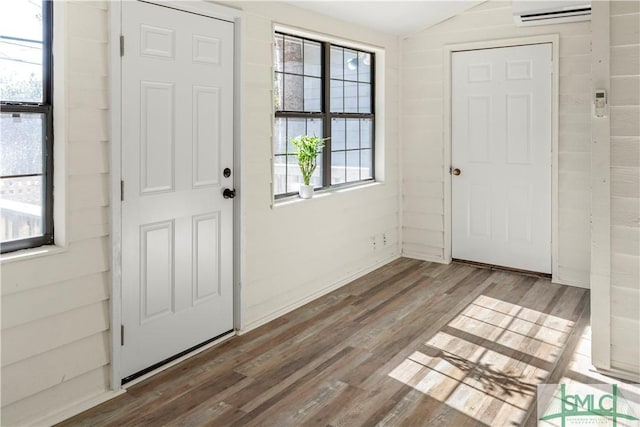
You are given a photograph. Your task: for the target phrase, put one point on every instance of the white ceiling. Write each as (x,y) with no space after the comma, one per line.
(394,17)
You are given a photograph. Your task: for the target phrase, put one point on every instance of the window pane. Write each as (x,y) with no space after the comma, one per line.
(366,133)
(350,65)
(314,127)
(21,143)
(312,93)
(280,174)
(364,67)
(364,97)
(337,101)
(312,59)
(336,63)
(21,50)
(21,208)
(337,167)
(278,94)
(278,54)
(280,136)
(293,93)
(350,97)
(353,134)
(292,55)
(366,164)
(294,176)
(295,128)
(353,165)
(337,134)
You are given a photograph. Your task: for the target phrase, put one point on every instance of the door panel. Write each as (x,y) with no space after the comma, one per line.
(157,107)
(501,142)
(177,136)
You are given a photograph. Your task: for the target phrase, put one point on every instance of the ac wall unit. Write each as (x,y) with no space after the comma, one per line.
(531,12)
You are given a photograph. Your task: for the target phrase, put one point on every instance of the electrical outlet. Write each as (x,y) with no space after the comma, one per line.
(384,239)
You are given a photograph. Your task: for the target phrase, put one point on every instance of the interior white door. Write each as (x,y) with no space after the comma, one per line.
(177,139)
(501,145)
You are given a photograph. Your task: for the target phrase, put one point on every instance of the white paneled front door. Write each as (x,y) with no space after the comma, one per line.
(501,156)
(177,139)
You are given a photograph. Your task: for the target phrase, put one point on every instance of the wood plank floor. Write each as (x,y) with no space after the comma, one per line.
(413,343)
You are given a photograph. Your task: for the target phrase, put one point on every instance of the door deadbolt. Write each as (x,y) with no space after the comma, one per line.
(456,171)
(226,172)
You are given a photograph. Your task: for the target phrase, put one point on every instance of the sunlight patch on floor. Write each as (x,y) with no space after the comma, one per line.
(487,361)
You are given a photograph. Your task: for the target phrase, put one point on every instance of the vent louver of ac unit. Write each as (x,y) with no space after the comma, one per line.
(544,12)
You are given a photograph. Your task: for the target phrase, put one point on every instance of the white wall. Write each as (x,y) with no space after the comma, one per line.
(55,307)
(296,251)
(625,185)
(423,144)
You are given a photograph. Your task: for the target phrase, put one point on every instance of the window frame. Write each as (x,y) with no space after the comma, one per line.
(326,115)
(46,109)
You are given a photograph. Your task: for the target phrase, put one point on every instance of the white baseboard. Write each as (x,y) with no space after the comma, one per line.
(558,281)
(290,307)
(617,373)
(423,257)
(75,409)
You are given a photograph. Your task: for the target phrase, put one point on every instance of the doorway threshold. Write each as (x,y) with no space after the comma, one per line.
(502,268)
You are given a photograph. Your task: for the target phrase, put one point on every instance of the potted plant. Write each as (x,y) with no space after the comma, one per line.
(307,149)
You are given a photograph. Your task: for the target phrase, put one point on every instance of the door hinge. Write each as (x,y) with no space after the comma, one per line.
(121,45)
(121,335)
(122,190)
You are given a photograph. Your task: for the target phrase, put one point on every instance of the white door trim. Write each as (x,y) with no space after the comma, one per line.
(115,126)
(448,50)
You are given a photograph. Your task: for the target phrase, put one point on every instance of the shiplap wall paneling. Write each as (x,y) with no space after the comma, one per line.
(423,144)
(55,308)
(624,103)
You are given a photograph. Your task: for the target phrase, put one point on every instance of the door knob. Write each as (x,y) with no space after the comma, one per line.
(228,193)
(456,171)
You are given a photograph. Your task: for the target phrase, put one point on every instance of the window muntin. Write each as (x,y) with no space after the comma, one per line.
(325,90)
(26,125)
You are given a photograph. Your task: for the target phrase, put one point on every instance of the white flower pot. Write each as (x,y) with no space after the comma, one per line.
(306,191)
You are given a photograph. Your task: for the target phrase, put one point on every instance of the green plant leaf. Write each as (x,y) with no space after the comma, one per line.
(307,149)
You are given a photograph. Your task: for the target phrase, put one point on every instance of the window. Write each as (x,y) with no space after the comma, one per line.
(26,124)
(325,90)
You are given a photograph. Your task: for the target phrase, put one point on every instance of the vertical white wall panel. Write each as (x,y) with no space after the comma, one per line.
(624,101)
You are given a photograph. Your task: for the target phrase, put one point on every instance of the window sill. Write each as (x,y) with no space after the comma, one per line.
(27,254)
(322,194)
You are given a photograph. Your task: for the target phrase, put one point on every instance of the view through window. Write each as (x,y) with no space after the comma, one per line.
(26,129)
